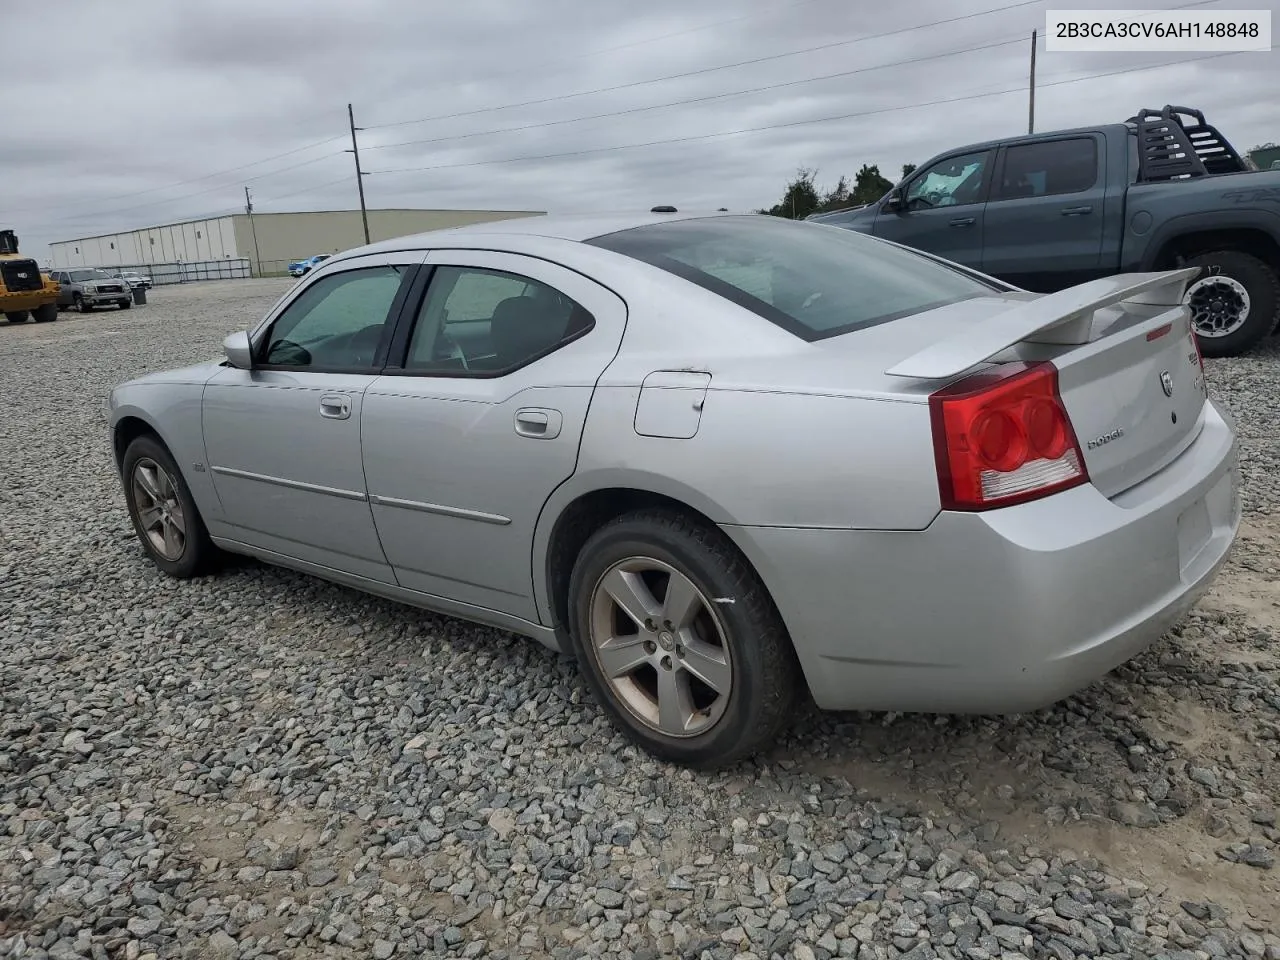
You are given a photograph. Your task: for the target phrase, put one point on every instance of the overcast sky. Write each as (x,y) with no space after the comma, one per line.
(124,115)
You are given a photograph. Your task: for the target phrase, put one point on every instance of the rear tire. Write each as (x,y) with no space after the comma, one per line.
(45,313)
(732,635)
(159,502)
(1238,297)
(17,316)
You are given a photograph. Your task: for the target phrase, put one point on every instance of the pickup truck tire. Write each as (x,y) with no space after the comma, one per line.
(45,313)
(1216,299)
(81,304)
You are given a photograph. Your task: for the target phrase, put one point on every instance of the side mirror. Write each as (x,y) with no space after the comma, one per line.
(894,200)
(238,350)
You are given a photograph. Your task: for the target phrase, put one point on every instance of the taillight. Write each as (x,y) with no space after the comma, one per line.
(1003,437)
(1195,343)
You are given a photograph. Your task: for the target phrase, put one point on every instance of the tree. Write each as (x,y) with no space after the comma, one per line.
(803,197)
(869,185)
(799,199)
(837,196)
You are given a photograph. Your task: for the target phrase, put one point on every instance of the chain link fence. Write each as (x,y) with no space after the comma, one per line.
(181,271)
(177,271)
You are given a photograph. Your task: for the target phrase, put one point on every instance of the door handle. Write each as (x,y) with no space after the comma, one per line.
(1077,211)
(538,423)
(963,221)
(335,406)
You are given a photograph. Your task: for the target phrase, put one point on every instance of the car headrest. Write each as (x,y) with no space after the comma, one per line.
(522,326)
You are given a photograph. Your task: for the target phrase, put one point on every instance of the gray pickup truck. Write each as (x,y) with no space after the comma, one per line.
(1049,210)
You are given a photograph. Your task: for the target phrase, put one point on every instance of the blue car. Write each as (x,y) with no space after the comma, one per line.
(300,268)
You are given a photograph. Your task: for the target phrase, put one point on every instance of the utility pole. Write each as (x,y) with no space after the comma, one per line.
(1031,103)
(355,150)
(248,209)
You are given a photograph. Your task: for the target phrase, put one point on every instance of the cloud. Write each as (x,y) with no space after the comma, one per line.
(144,107)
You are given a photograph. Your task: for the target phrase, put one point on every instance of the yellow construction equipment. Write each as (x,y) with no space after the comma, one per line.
(24,291)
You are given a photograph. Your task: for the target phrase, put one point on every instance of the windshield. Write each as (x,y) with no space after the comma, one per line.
(812,280)
(80,276)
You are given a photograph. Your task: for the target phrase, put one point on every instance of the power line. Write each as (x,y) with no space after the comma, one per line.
(318,186)
(196,193)
(704,99)
(629,45)
(510,73)
(207,176)
(704,70)
(798,123)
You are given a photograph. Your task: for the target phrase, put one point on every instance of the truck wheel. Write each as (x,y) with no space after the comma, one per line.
(1233,305)
(81,304)
(125,304)
(17,316)
(45,313)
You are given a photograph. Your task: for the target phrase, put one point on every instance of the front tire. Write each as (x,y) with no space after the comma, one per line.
(45,313)
(165,516)
(17,316)
(125,304)
(82,305)
(678,639)
(1233,305)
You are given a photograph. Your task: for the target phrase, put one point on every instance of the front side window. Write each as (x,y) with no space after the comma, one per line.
(948,183)
(812,280)
(1048,168)
(336,323)
(477,320)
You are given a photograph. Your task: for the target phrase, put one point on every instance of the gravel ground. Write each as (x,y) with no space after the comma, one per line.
(264,765)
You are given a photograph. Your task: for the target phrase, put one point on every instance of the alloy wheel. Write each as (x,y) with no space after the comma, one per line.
(661,647)
(159,508)
(1219,305)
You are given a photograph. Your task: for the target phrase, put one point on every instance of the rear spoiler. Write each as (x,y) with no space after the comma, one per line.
(1065,317)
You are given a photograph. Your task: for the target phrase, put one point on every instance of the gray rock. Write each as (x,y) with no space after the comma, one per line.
(222,944)
(961,881)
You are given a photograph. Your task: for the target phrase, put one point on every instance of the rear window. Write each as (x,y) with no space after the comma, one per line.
(811,280)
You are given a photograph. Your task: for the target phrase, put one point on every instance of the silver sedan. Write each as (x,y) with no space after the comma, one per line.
(725,461)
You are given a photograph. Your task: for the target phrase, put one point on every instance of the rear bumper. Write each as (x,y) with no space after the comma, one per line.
(1009,610)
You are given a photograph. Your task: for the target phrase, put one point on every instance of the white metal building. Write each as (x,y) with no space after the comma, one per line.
(269,243)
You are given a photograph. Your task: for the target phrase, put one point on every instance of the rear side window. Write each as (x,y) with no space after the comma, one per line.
(812,280)
(1048,168)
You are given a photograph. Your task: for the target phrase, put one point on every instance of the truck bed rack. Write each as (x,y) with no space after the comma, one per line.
(1171,149)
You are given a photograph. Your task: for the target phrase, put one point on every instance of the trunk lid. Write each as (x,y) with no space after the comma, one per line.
(1135,396)
(1129,372)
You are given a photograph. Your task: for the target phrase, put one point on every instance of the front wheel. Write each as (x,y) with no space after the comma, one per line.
(680,641)
(45,312)
(16,316)
(125,304)
(1234,303)
(164,515)
(83,305)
